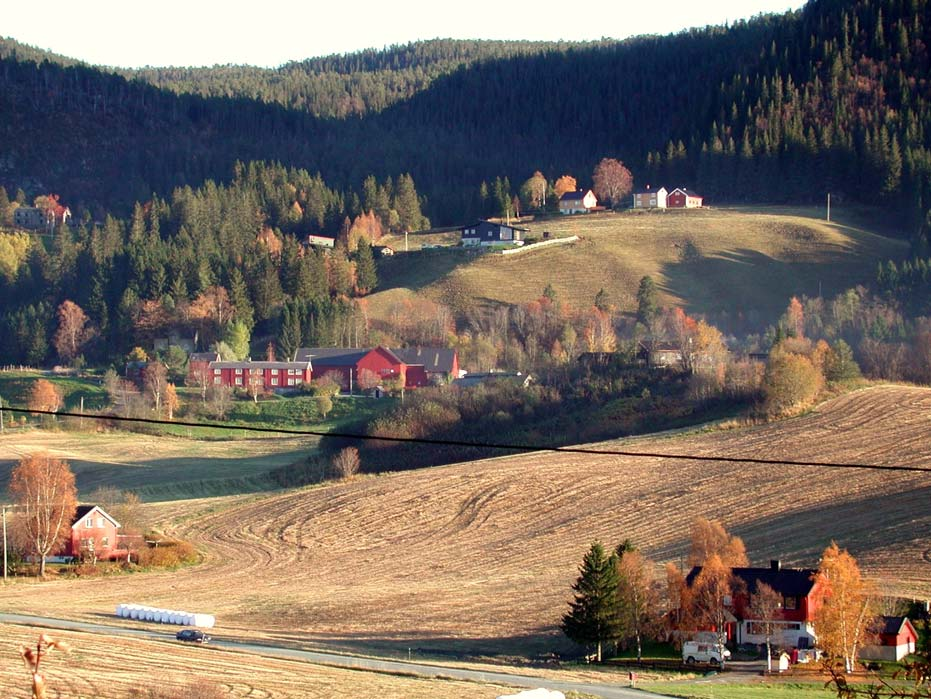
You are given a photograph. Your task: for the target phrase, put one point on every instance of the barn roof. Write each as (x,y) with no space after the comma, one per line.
(432,358)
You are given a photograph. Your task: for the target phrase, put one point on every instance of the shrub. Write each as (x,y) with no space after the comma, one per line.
(791,383)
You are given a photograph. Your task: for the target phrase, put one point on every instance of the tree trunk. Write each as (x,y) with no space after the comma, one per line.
(769,657)
(42,566)
(639,648)
(598,654)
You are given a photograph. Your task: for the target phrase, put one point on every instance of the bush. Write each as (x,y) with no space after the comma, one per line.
(791,383)
(167,553)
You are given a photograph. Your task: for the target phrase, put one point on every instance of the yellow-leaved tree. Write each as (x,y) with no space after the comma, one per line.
(849,605)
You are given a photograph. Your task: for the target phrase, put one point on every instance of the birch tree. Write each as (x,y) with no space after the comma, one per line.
(44,489)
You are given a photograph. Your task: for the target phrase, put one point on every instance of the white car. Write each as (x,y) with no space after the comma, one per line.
(711,653)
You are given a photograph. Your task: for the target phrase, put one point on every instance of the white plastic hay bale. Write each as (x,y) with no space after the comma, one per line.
(150,614)
(162,616)
(173,617)
(119,609)
(134,613)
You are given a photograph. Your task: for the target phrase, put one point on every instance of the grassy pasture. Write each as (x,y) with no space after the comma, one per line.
(749,262)
(478,557)
(158,467)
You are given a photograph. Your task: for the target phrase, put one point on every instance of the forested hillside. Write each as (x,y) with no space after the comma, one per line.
(834,97)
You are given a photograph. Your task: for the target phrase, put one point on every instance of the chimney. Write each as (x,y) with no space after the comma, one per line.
(775,564)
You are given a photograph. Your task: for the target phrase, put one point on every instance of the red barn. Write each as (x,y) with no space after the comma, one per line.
(93,535)
(429,366)
(269,376)
(682,198)
(355,368)
(897,638)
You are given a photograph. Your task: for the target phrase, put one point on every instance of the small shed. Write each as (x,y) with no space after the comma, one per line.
(897,639)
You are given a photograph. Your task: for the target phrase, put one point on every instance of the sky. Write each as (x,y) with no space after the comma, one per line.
(209,32)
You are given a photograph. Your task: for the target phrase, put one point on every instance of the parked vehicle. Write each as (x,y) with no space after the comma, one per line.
(192,635)
(701,652)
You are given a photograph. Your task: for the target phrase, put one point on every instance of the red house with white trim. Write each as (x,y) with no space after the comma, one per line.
(267,376)
(801,599)
(94,534)
(682,198)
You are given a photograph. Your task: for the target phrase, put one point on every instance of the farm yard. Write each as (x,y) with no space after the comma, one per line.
(477,558)
(745,262)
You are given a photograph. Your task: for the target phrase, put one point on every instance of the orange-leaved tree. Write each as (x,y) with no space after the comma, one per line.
(849,605)
(45,396)
(43,487)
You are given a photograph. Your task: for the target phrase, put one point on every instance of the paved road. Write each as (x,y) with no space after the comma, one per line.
(348,661)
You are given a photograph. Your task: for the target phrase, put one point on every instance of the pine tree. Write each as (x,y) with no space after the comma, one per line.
(366,276)
(593,617)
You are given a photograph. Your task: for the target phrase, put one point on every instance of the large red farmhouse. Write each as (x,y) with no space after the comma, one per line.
(354,368)
(682,198)
(801,599)
(93,535)
(268,376)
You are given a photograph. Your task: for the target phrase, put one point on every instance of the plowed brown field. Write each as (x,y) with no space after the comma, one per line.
(104,668)
(479,556)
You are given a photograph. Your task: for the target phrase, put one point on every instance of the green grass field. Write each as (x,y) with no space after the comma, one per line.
(721,690)
(740,263)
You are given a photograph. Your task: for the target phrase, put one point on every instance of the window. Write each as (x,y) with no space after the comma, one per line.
(790,603)
(217,380)
(105,541)
(217,372)
(100,522)
(290,382)
(239,371)
(239,381)
(274,372)
(88,523)
(274,381)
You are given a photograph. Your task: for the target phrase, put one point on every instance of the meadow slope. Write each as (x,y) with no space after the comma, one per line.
(479,556)
(745,262)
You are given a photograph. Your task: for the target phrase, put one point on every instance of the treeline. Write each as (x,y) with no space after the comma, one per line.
(222,262)
(341,85)
(783,108)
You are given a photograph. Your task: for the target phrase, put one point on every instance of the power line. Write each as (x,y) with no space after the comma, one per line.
(482,445)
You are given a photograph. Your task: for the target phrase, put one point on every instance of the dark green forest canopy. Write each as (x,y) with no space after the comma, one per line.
(834,97)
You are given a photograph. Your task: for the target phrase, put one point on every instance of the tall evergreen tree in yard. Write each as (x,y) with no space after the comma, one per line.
(289,335)
(593,617)
(366,277)
(647,303)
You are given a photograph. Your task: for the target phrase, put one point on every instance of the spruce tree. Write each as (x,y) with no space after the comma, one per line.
(593,617)
(647,303)
(366,277)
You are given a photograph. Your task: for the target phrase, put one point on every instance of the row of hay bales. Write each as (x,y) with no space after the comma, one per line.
(164,616)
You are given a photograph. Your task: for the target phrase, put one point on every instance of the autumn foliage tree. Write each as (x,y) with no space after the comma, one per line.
(45,396)
(848,608)
(73,330)
(612,181)
(44,489)
(564,184)
(709,538)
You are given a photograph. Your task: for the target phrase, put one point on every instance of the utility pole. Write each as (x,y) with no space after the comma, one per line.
(5,508)
(405,241)
(829,207)
(1,414)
